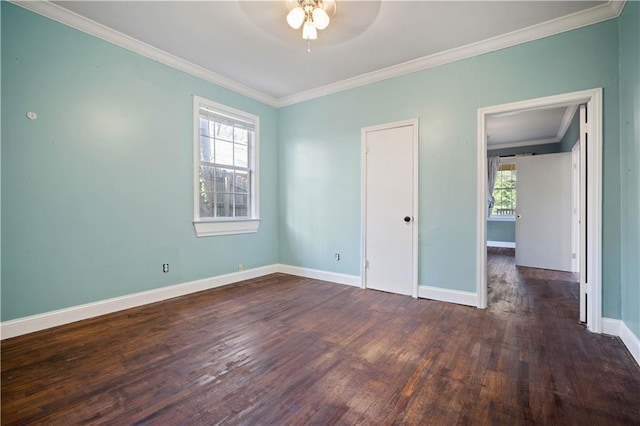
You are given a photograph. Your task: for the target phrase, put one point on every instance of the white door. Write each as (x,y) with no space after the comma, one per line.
(390,208)
(543,220)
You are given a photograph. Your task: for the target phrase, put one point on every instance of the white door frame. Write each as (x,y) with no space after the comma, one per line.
(363,199)
(593,98)
(576,189)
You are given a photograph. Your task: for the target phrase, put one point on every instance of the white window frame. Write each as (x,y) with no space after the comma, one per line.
(505,218)
(206,227)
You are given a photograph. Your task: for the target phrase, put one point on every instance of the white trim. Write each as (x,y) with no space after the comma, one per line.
(467,298)
(631,341)
(33,323)
(593,253)
(416,203)
(481,216)
(334,277)
(544,141)
(619,328)
(225,227)
(611,326)
(503,244)
(89,26)
(363,190)
(609,10)
(603,12)
(58,317)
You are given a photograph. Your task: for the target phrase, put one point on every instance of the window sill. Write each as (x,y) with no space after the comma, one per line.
(501,218)
(225,227)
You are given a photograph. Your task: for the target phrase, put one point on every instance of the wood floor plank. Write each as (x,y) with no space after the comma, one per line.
(290,350)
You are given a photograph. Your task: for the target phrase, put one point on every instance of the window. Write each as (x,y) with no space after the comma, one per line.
(225,169)
(504,192)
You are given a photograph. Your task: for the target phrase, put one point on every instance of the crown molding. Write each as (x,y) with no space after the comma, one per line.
(609,10)
(604,12)
(86,25)
(493,147)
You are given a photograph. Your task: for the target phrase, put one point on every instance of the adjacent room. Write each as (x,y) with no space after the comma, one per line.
(320,212)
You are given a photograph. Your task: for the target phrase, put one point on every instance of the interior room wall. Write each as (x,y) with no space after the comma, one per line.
(629,23)
(320,158)
(97,192)
(503,231)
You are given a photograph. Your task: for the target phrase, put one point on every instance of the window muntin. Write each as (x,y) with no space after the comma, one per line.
(225,166)
(504,192)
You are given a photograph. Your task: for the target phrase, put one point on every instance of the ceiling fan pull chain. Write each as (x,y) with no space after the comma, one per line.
(309,46)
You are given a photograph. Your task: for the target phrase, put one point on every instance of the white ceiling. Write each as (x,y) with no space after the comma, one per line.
(248,47)
(525,128)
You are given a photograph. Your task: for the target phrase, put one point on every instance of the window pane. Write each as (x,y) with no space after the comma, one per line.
(224,204)
(241,182)
(224,153)
(207,179)
(241,155)
(223,180)
(206,204)
(204,126)
(224,131)
(206,149)
(226,142)
(242,206)
(504,193)
(241,136)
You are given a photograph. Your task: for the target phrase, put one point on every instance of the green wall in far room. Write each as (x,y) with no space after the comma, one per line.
(320,164)
(629,171)
(97,193)
(501,230)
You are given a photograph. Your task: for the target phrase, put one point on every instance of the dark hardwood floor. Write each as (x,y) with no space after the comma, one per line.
(288,350)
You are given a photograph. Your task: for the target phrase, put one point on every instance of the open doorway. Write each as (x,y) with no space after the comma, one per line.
(590,160)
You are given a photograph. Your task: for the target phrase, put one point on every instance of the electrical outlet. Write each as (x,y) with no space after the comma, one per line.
(240,267)
(337,257)
(165,267)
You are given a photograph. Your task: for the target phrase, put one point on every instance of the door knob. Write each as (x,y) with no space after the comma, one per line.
(407,219)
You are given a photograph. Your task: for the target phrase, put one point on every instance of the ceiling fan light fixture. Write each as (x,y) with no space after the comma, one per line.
(311,15)
(320,18)
(295,17)
(309,31)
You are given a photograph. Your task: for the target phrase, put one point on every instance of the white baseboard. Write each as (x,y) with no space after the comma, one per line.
(51,319)
(504,244)
(445,295)
(610,326)
(618,328)
(334,277)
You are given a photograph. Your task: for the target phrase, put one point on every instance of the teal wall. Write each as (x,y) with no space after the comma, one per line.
(320,154)
(501,230)
(97,192)
(630,162)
